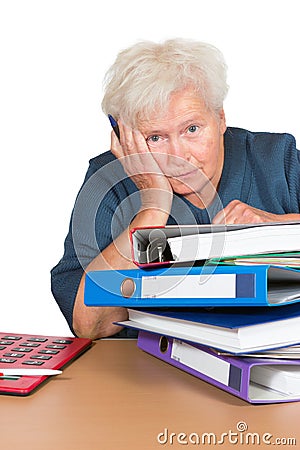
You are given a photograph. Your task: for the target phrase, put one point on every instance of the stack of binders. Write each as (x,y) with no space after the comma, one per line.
(219,302)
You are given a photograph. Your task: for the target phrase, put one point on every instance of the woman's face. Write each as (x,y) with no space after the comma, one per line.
(187,142)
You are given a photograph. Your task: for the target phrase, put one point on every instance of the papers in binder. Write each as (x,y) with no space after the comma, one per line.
(234,330)
(283,259)
(279,377)
(290,352)
(254,240)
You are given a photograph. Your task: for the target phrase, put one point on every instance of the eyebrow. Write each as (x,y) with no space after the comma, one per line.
(160,131)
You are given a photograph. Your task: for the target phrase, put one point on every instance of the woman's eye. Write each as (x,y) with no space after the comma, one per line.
(193,128)
(154,138)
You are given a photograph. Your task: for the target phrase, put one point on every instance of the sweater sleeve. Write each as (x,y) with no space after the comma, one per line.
(96,220)
(292,173)
(275,165)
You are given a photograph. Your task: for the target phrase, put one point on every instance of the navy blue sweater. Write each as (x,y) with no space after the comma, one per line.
(260,169)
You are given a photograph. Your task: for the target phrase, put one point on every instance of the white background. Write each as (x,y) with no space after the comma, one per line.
(54,55)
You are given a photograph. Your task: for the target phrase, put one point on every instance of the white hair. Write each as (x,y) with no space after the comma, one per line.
(144,76)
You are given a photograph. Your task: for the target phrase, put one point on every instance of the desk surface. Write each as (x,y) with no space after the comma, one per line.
(117,397)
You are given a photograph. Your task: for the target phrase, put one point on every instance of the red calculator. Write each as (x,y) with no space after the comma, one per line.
(29,351)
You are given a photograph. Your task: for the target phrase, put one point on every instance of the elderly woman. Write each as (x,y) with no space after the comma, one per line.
(175,161)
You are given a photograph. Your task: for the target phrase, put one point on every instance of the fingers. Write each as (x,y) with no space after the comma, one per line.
(115,145)
(127,139)
(139,164)
(132,151)
(239,212)
(219,218)
(232,213)
(132,141)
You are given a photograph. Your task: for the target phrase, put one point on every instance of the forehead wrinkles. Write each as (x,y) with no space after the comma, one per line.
(182,108)
(175,120)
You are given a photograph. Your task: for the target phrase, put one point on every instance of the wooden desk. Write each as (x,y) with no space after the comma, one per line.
(117,397)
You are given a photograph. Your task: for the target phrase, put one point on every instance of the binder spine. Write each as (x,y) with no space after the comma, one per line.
(178,286)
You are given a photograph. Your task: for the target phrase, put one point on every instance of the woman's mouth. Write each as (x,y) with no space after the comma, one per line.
(184,175)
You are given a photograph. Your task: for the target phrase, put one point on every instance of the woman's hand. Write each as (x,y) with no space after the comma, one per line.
(239,212)
(138,162)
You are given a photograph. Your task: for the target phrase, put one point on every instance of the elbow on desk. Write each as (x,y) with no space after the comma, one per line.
(102,328)
(85,332)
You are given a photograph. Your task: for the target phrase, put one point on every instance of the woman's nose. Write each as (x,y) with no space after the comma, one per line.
(178,150)
(175,147)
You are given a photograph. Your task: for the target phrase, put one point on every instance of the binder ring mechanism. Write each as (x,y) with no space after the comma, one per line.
(158,249)
(127,287)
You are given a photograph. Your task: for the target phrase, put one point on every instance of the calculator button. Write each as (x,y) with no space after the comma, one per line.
(33,363)
(7,360)
(6,342)
(57,346)
(22,349)
(42,357)
(49,352)
(62,341)
(30,344)
(14,355)
(2,347)
(12,338)
(37,339)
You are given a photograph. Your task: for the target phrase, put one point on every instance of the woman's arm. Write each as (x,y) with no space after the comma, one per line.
(239,212)
(156,201)
(97,322)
